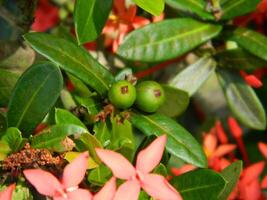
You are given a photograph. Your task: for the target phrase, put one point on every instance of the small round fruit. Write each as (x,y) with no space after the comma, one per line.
(150,96)
(122,94)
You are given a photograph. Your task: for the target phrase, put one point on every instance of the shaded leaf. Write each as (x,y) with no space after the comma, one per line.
(204,184)
(193,6)
(3,124)
(153,43)
(233,8)
(192,77)
(176,102)
(231,174)
(252,41)
(33,96)
(180,142)
(239,59)
(242,100)
(100,175)
(90,18)
(14,139)
(73,59)
(155,7)
(7,83)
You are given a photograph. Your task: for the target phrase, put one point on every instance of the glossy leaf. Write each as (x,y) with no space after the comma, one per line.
(192,77)
(193,6)
(153,43)
(54,139)
(13,138)
(242,100)
(65,117)
(233,8)
(155,7)
(33,96)
(252,41)
(79,87)
(203,184)
(180,142)
(90,18)
(72,59)
(239,59)
(176,102)
(7,82)
(231,174)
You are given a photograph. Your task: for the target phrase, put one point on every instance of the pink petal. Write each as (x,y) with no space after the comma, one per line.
(223,150)
(80,194)
(108,191)
(264,182)
(128,191)
(44,182)
(7,193)
(182,170)
(234,127)
(150,157)
(120,166)
(139,22)
(253,172)
(159,188)
(74,172)
(210,143)
(263,148)
(252,190)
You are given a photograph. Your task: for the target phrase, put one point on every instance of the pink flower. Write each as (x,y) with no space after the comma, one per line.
(7,193)
(48,185)
(140,177)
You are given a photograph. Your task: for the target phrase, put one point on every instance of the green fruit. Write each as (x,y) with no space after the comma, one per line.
(122,94)
(150,96)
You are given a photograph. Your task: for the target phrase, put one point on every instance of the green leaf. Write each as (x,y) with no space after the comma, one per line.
(33,96)
(93,105)
(176,102)
(4,150)
(13,138)
(193,6)
(79,87)
(73,59)
(252,41)
(154,7)
(204,184)
(22,192)
(53,139)
(102,133)
(180,142)
(239,59)
(192,77)
(122,138)
(3,124)
(99,176)
(153,43)
(242,100)
(233,8)
(90,18)
(7,83)
(231,174)
(65,117)
(89,143)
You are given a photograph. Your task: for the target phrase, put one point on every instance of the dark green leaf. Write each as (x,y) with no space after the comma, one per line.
(99,176)
(65,117)
(180,142)
(193,6)
(161,170)
(242,100)
(3,124)
(155,7)
(90,18)
(239,59)
(102,133)
(231,174)
(153,43)
(193,76)
(72,59)
(33,96)
(79,87)
(7,83)
(13,138)
(93,105)
(204,184)
(233,8)
(176,102)
(54,139)
(252,41)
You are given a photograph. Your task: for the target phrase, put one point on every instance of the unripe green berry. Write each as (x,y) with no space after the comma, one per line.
(149,96)
(122,94)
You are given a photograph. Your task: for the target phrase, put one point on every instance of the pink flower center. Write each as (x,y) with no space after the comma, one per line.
(138,176)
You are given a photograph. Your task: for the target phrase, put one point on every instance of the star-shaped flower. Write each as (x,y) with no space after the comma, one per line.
(140,177)
(68,189)
(7,193)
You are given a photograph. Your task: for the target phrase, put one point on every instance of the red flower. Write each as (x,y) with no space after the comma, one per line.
(46,16)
